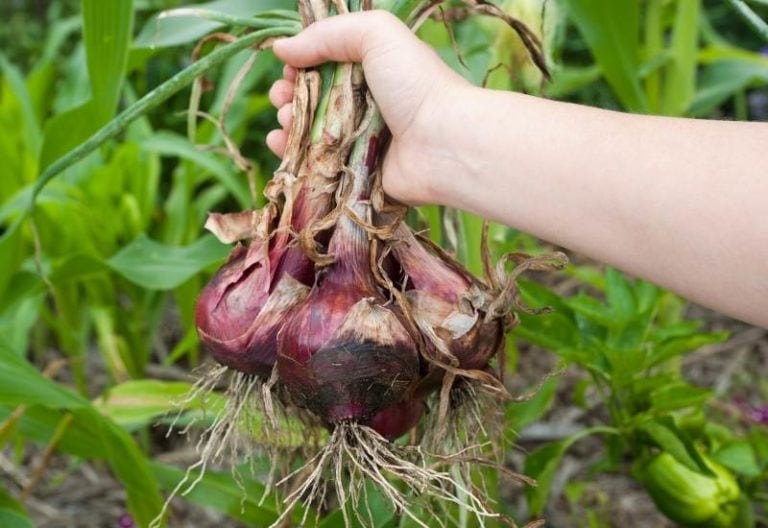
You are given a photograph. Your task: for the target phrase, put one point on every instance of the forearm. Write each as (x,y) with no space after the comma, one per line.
(683,203)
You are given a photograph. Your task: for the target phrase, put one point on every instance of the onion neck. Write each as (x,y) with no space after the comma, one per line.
(425,270)
(350,243)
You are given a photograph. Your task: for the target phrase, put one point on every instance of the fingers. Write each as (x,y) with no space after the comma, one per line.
(281,93)
(285,116)
(340,38)
(281,96)
(290,73)
(276,141)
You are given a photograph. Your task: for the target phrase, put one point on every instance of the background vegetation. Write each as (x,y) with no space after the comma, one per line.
(97,287)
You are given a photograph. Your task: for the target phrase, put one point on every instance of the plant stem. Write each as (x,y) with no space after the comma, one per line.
(262,21)
(152,100)
(329,74)
(755,22)
(654,45)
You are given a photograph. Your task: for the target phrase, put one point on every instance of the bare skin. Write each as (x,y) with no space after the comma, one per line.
(680,202)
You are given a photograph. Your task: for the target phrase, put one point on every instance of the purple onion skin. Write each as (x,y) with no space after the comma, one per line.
(225,311)
(436,291)
(344,355)
(292,259)
(393,422)
(230,314)
(476,349)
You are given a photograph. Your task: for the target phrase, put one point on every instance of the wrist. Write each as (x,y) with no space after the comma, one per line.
(455,145)
(444,138)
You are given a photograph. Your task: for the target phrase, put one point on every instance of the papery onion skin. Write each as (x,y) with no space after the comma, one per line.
(238,318)
(439,298)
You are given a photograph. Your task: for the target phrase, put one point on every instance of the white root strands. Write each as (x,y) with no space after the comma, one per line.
(249,406)
(356,455)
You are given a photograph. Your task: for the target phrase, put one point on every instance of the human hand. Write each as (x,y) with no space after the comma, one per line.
(414,89)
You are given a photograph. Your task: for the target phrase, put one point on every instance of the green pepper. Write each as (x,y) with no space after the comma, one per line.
(694,499)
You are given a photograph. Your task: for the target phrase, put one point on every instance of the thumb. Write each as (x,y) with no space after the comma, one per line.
(343,38)
(400,70)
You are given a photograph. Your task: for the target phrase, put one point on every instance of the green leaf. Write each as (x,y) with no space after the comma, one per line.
(169,144)
(612,31)
(107,28)
(90,435)
(542,465)
(155,266)
(626,363)
(677,346)
(759,441)
(166,31)
(570,79)
(380,509)
(740,457)
(669,438)
(592,359)
(592,309)
(724,78)
(23,312)
(12,513)
(221,492)
(471,230)
(75,267)
(11,246)
(13,76)
(672,397)
(12,519)
(21,383)
(518,415)
(618,293)
(553,331)
(134,404)
(647,296)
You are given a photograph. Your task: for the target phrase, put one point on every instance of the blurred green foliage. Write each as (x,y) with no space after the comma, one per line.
(105,273)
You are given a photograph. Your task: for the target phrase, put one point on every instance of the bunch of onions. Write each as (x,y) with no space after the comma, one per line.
(352,318)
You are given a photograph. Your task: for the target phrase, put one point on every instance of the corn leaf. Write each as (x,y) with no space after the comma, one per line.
(155,266)
(107,28)
(173,145)
(721,79)
(163,31)
(612,31)
(91,435)
(12,513)
(31,126)
(135,404)
(680,78)
(220,491)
